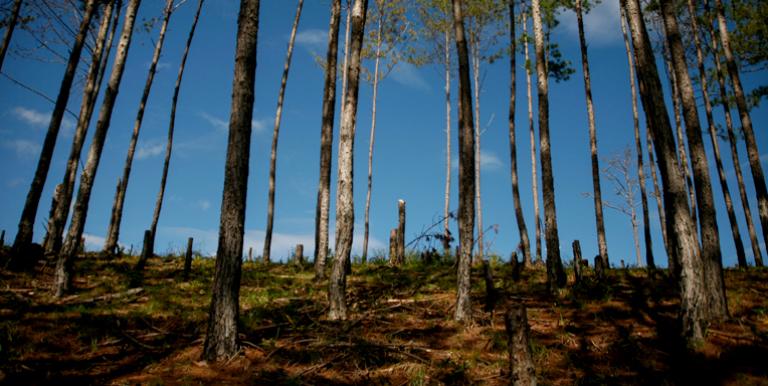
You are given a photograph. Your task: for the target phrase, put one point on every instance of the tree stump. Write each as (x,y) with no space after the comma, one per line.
(298,254)
(576,262)
(599,269)
(393,247)
(491,295)
(250,254)
(401,231)
(521,368)
(516,267)
(146,250)
(188,259)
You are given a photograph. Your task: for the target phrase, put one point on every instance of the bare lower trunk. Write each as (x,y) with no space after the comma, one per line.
(80,211)
(401,231)
(734,150)
(633,219)
(555,273)
(466,212)
(534,177)
(172,124)
(597,195)
(475,59)
(447,207)
(373,132)
(740,255)
(639,150)
(221,337)
(9,30)
(345,213)
(113,233)
(326,140)
(522,372)
(576,262)
(273,153)
(60,211)
(27,221)
(188,258)
(712,260)
(682,229)
(753,154)
(522,229)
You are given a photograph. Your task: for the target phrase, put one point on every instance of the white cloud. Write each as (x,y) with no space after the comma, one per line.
(14,182)
(408,75)
(149,149)
(38,118)
(93,241)
(602,25)
(312,39)
(259,125)
(488,161)
(217,123)
(204,204)
(24,149)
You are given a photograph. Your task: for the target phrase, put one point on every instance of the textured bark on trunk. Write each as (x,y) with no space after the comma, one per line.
(734,149)
(597,193)
(401,231)
(27,221)
(682,229)
(298,254)
(9,30)
(172,125)
(275,133)
(146,252)
(532,134)
(474,53)
(522,229)
(555,273)
(63,272)
(447,206)
(712,259)
(59,212)
(221,337)
(326,141)
(466,212)
(345,211)
(576,262)
(393,247)
(521,370)
(372,136)
(753,154)
(740,255)
(113,232)
(188,259)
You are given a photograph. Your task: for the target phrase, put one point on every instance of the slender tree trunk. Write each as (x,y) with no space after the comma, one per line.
(379,4)
(683,235)
(599,222)
(522,229)
(113,232)
(466,212)
(632,214)
(740,255)
(275,133)
(326,142)
(221,338)
(63,272)
(710,236)
(447,208)
(753,155)
(345,211)
(172,124)
(60,211)
(9,30)
(27,221)
(734,149)
(534,177)
(344,74)
(639,149)
(474,52)
(555,273)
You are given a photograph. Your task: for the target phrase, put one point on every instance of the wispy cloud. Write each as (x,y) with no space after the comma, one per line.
(258,125)
(204,204)
(313,39)
(12,183)
(408,75)
(602,25)
(488,161)
(36,118)
(23,148)
(149,149)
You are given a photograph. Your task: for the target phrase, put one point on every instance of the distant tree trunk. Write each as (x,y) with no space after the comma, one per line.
(273,153)
(466,212)
(734,149)
(474,52)
(27,221)
(221,337)
(146,252)
(576,261)
(401,231)
(9,30)
(447,207)
(63,272)
(633,219)
(597,195)
(753,155)
(379,29)
(682,229)
(522,372)
(639,149)
(188,255)
(298,255)
(555,273)
(522,229)
(393,248)
(60,211)
(345,211)
(740,255)
(326,141)
(172,124)
(534,177)
(710,237)
(113,232)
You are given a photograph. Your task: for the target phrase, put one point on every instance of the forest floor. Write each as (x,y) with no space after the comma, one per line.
(400,331)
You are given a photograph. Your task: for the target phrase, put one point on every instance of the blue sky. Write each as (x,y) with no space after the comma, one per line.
(409,160)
